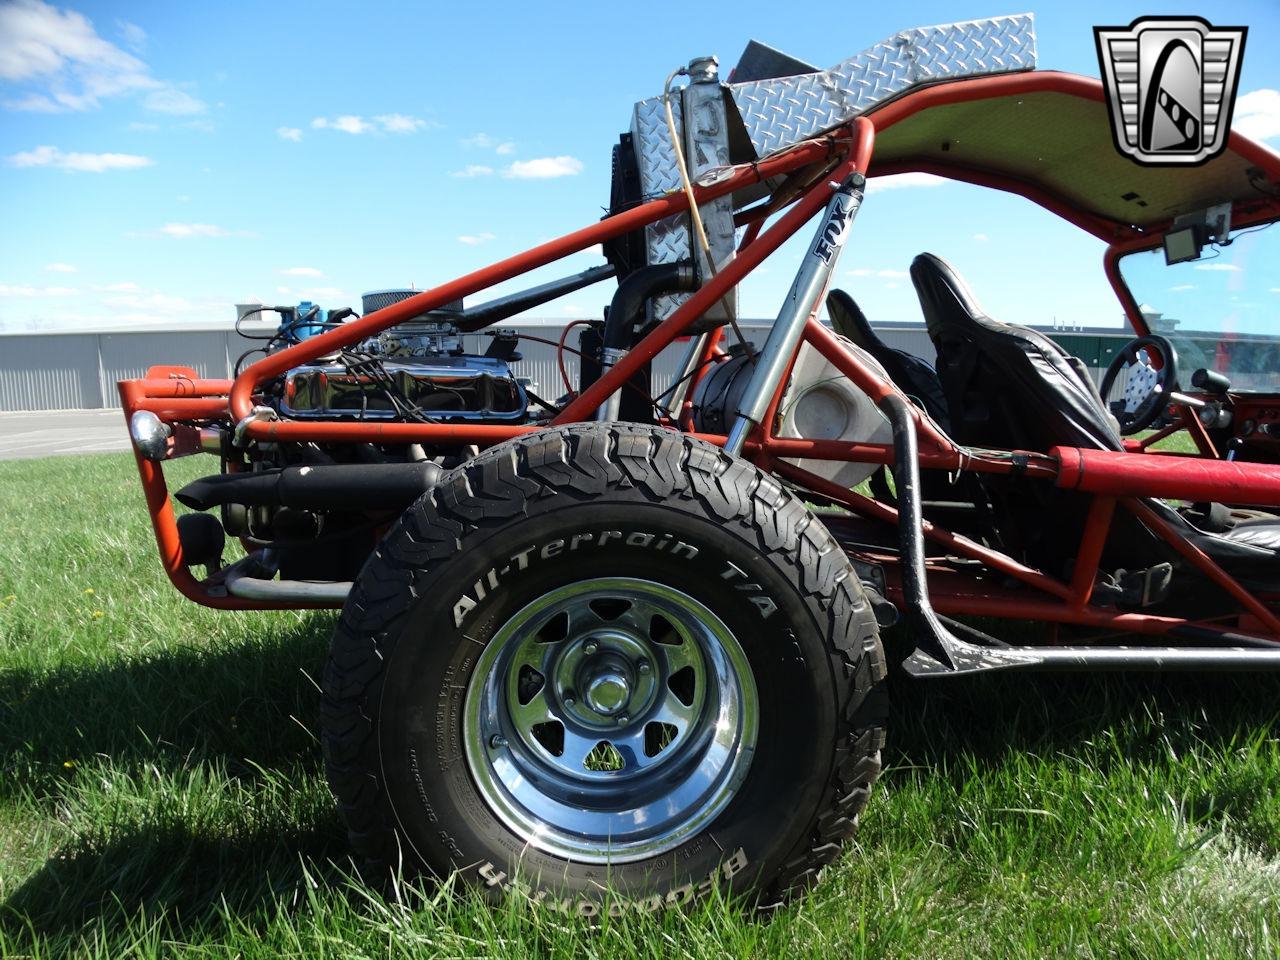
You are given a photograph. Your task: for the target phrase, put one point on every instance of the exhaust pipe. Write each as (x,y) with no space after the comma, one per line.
(239,581)
(342,486)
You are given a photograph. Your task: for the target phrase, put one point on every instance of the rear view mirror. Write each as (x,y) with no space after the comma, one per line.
(1191,231)
(1181,246)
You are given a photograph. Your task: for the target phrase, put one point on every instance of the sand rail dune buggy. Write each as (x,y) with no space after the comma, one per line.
(615,649)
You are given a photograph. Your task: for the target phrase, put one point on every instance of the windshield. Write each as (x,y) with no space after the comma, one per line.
(1222,312)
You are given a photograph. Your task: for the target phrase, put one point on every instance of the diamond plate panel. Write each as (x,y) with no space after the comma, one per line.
(779,113)
(658,174)
(667,241)
(707,148)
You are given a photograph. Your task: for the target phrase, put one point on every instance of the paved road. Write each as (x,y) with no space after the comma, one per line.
(24,436)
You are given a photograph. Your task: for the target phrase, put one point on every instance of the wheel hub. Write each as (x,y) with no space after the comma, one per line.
(608,692)
(610,719)
(603,678)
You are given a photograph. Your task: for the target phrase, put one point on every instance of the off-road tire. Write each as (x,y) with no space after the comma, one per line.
(399,660)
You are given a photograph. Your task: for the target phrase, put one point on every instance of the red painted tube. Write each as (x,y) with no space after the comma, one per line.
(182,387)
(804,210)
(184,408)
(646,213)
(1096,528)
(826,343)
(165,525)
(1182,478)
(1204,563)
(701,366)
(1021,84)
(323,431)
(874,509)
(1261,211)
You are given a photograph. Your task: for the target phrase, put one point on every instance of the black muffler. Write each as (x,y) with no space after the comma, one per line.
(343,486)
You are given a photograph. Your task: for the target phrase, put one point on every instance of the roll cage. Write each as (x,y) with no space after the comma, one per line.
(988,583)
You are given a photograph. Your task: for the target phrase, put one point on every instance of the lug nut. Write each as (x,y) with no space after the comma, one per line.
(568,698)
(590,647)
(622,719)
(643,666)
(497,741)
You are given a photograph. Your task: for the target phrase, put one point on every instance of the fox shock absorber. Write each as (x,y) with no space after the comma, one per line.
(784,336)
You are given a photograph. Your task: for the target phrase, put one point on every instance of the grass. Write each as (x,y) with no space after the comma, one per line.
(161,793)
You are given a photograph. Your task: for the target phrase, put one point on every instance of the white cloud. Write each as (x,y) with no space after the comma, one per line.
(901,181)
(473,170)
(1223,267)
(544,168)
(289,133)
(347,124)
(126,286)
(169,99)
(64,65)
(472,240)
(183,231)
(1183,287)
(25,290)
(302,272)
(61,49)
(1274,290)
(282,290)
(356,124)
(483,141)
(133,35)
(400,123)
(60,268)
(85,162)
(892,274)
(981,237)
(133,306)
(1258,114)
(138,126)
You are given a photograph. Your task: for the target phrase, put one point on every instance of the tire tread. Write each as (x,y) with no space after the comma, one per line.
(582,461)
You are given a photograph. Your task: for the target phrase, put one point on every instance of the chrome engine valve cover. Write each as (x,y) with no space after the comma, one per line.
(444,388)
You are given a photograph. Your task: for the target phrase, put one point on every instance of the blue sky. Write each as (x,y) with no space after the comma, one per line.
(162,161)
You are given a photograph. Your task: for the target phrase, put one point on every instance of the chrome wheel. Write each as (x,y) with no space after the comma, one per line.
(610,720)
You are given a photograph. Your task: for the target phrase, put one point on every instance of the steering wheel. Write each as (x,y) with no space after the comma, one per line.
(1151,367)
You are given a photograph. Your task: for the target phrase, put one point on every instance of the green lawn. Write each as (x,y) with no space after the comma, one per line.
(161,793)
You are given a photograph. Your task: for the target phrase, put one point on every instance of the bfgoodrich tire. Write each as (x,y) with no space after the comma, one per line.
(610,667)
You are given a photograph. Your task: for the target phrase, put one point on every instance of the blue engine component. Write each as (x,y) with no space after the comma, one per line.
(303,321)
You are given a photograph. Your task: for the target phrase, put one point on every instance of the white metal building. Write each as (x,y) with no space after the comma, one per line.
(78,369)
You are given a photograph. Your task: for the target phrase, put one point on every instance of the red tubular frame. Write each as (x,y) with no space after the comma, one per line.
(174,394)
(614,226)
(1171,476)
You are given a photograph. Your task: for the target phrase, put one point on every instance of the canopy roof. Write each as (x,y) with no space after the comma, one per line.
(1047,135)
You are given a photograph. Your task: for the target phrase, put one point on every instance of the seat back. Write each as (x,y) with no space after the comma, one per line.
(1005,385)
(910,374)
(1011,387)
